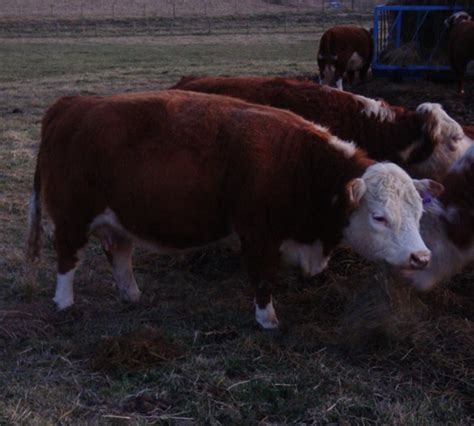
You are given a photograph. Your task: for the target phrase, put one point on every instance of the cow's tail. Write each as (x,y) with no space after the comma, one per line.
(33,242)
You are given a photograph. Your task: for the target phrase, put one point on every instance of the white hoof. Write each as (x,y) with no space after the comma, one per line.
(63,303)
(64,296)
(131,296)
(266,317)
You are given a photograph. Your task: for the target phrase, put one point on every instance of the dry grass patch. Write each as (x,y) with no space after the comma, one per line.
(133,351)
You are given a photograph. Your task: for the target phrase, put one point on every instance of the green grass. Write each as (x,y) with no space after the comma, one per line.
(203,359)
(33,61)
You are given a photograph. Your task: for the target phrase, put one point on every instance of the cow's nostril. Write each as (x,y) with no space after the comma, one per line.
(419,260)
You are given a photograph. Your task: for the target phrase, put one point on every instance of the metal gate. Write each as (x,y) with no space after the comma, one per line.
(410,41)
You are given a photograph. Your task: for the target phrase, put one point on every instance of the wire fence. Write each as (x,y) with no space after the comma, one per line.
(169,8)
(103,18)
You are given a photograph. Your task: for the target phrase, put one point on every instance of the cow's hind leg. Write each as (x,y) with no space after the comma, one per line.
(68,243)
(119,253)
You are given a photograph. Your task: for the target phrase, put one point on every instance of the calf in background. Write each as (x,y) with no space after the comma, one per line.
(460,44)
(344,50)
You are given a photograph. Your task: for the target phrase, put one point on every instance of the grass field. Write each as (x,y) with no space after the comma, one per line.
(354,346)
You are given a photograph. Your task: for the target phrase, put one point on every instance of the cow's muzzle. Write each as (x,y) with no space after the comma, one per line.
(420,259)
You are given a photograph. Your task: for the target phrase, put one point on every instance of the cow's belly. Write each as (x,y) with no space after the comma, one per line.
(107,226)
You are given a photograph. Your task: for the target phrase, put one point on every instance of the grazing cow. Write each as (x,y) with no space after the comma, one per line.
(424,142)
(460,44)
(344,49)
(176,170)
(447,225)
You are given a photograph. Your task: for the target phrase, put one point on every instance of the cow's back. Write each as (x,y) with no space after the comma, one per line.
(342,112)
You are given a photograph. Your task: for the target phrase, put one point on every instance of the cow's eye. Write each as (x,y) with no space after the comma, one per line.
(379,219)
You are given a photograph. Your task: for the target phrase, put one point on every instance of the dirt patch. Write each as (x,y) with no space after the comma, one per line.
(134,351)
(411,93)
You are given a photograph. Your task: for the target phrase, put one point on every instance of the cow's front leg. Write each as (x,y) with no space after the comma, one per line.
(264,311)
(338,75)
(119,253)
(262,265)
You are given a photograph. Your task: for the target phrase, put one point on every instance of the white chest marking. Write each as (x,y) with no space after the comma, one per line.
(309,257)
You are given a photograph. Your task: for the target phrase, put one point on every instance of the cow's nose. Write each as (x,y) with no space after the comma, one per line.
(420,259)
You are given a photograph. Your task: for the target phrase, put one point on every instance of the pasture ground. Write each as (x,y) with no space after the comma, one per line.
(354,347)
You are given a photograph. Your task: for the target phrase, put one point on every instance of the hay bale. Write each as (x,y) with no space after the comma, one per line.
(406,54)
(381,308)
(430,44)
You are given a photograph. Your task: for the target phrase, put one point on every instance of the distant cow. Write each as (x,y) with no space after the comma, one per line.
(425,142)
(460,44)
(448,225)
(344,49)
(176,170)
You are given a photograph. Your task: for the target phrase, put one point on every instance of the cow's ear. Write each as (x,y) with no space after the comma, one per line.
(355,191)
(432,187)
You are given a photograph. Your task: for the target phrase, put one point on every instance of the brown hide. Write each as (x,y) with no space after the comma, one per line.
(468,131)
(182,169)
(340,111)
(461,49)
(338,44)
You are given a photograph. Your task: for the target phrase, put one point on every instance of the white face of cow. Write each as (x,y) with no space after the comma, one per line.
(456,18)
(447,138)
(385,225)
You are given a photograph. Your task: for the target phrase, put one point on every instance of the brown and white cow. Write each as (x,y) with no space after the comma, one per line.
(176,170)
(460,44)
(448,225)
(425,142)
(344,49)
